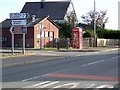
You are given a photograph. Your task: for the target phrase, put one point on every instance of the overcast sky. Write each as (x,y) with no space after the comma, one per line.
(81,8)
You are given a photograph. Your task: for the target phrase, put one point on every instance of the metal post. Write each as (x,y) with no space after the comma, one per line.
(41,35)
(95,37)
(23,43)
(12,39)
(12,43)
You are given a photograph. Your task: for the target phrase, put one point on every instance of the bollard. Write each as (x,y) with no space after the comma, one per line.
(57,43)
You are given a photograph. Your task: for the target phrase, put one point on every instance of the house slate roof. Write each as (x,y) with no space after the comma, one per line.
(37,20)
(56,10)
(6,23)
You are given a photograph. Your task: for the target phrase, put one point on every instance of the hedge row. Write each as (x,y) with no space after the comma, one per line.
(107,34)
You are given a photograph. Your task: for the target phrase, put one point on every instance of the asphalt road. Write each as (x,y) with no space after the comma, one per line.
(90,71)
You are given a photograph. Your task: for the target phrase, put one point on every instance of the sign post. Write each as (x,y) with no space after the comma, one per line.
(12,39)
(20,27)
(23,43)
(13,43)
(24,30)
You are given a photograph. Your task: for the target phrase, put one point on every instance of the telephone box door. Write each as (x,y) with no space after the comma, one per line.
(77,38)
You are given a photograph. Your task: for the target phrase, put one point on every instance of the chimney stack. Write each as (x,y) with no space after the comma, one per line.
(42,3)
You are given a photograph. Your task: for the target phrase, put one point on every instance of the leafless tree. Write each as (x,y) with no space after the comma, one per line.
(100,17)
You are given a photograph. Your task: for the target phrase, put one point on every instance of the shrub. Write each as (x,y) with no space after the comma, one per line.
(108,34)
(88,33)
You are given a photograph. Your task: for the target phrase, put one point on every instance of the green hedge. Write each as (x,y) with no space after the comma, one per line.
(88,33)
(107,34)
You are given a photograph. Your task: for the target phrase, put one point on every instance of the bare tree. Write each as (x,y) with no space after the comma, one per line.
(71,19)
(100,16)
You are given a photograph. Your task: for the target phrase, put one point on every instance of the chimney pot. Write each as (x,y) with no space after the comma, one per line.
(33,18)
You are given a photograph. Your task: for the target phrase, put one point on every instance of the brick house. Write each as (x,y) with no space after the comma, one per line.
(50,31)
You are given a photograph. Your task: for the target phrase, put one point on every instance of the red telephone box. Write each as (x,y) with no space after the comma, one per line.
(77,38)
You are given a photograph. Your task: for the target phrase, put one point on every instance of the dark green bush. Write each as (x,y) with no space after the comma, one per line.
(108,34)
(86,34)
(65,31)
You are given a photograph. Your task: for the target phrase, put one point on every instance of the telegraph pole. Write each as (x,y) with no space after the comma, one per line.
(95,37)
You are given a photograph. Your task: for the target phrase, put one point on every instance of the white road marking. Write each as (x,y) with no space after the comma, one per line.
(97,62)
(107,50)
(29,79)
(46,85)
(96,52)
(32,78)
(105,86)
(115,49)
(116,57)
(38,84)
(25,80)
(74,85)
(92,63)
(91,86)
(57,84)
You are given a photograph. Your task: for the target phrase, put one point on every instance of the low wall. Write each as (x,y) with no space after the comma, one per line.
(107,42)
(88,42)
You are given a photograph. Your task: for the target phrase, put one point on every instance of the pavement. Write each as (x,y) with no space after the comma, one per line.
(35,56)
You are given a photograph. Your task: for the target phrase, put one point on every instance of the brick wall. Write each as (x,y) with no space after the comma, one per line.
(6,38)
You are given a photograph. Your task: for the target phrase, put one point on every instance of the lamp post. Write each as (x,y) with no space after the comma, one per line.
(95,36)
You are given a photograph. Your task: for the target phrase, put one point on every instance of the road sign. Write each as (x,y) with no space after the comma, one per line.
(19,22)
(24,29)
(19,15)
(19,30)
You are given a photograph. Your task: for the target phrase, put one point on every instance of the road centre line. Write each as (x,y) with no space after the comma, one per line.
(25,80)
(116,57)
(92,63)
(30,79)
(97,62)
